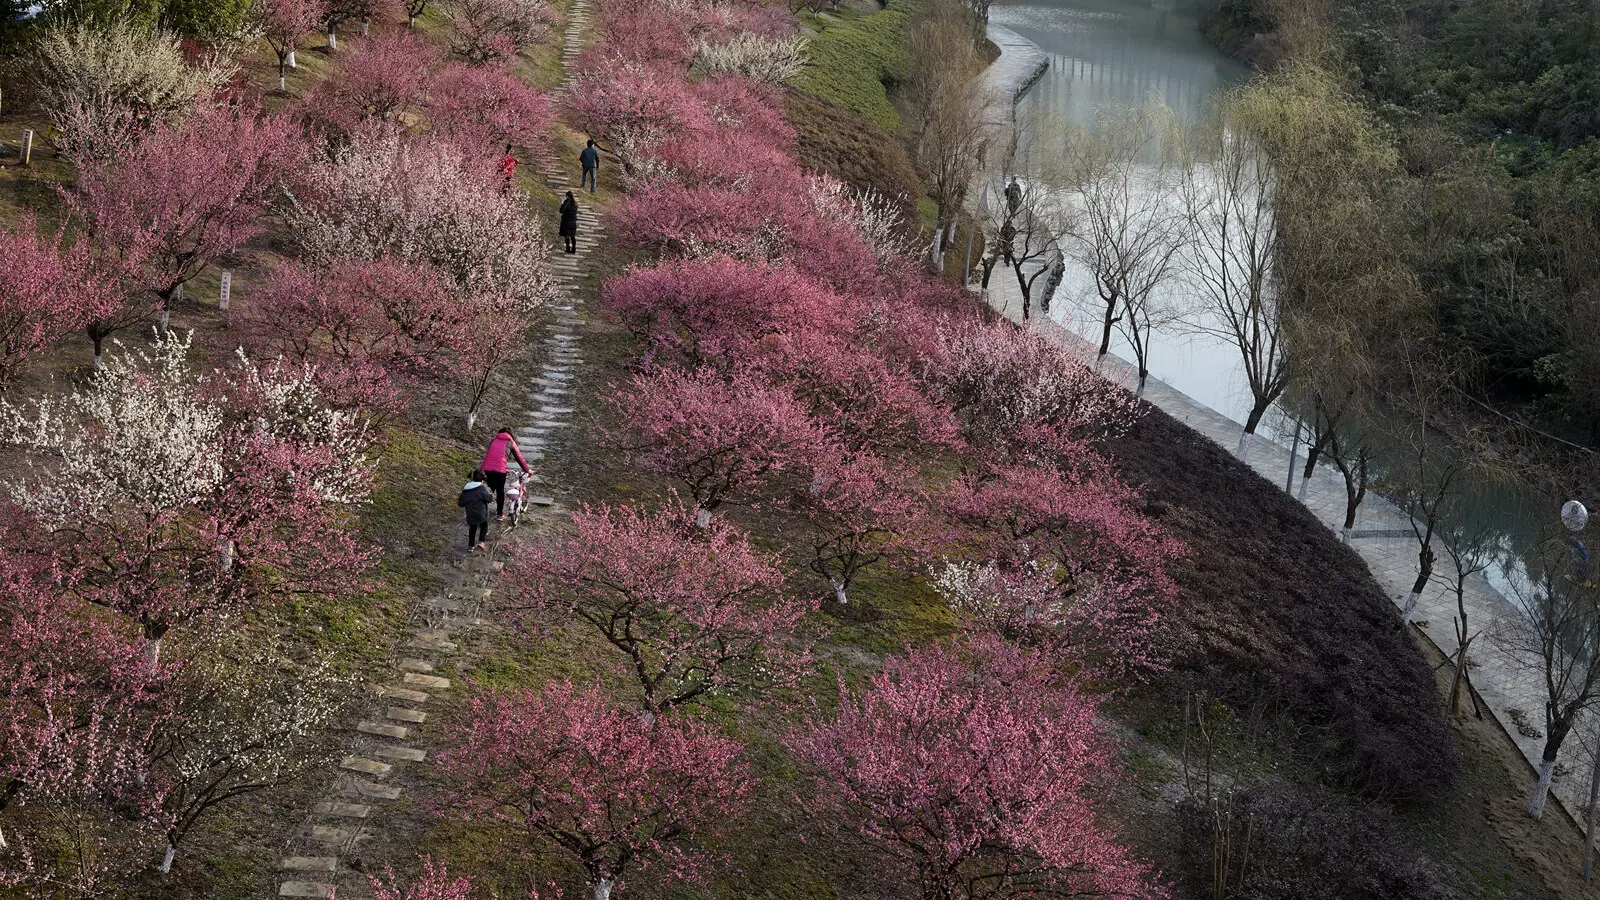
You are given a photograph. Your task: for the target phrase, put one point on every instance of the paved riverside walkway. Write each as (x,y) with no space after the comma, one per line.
(1383,535)
(394,732)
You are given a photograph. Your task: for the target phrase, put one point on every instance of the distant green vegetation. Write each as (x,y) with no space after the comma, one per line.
(855,58)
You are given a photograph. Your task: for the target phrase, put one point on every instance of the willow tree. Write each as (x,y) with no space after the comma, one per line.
(1282,188)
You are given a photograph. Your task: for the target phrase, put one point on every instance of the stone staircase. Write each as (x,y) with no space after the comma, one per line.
(393,732)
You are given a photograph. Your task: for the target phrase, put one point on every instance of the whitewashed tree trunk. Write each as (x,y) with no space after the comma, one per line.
(838,592)
(702,518)
(152,652)
(225,557)
(1411,605)
(1344,535)
(1303,482)
(3,844)
(1140,391)
(1239,450)
(166,861)
(333,40)
(366,27)
(602,889)
(98,364)
(1541,790)
(472,419)
(166,319)
(283,87)
(291,58)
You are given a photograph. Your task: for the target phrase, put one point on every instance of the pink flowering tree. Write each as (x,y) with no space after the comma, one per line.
(717,310)
(177,496)
(434,882)
(189,194)
(47,290)
(634,108)
(368,329)
(483,106)
(694,611)
(580,774)
(382,79)
(869,402)
(723,437)
(857,509)
(1016,386)
(74,693)
(646,31)
(496,31)
(975,772)
(284,22)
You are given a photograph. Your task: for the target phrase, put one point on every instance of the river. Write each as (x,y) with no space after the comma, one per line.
(1125,52)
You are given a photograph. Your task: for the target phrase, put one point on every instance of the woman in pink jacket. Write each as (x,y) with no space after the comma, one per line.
(501,449)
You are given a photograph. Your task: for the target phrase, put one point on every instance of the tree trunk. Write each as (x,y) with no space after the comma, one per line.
(702,517)
(1105,331)
(152,652)
(838,592)
(1541,790)
(472,418)
(283,86)
(166,319)
(333,40)
(166,861)
(225,557)
(291,59)
(602,889)
(1257,411)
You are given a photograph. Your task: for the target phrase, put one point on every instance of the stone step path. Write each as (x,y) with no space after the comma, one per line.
(394,732)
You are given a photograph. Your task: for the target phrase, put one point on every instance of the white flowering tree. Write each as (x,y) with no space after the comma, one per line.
(773,60)
(177,495)
(245,717)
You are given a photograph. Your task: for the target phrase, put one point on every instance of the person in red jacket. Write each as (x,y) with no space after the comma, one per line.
(501,449)
(508,167)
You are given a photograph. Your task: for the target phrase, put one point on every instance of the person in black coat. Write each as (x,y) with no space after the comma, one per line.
(569,222)
(475,499)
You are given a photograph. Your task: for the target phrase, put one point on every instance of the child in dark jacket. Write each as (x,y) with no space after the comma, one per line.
(475,499)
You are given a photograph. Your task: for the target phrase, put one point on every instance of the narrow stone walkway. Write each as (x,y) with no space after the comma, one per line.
(394,732)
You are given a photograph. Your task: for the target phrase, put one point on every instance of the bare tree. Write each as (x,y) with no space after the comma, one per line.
(1131,225)
(1472,547)
(951,101)
(1554,632)
(1228,189)
(1029,219)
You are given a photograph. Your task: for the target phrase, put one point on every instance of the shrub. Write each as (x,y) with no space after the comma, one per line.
(1305,847)
(1294,629)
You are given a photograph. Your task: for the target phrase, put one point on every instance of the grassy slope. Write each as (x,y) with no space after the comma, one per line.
(854,57)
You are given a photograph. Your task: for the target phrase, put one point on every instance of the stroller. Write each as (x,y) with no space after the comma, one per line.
(516,497)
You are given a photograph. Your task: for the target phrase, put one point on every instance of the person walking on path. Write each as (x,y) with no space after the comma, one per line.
(590,158)
(475,499)
(569,222)
(494,466)
(508,167)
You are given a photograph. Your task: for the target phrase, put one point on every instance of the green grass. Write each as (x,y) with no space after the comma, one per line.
(854,59)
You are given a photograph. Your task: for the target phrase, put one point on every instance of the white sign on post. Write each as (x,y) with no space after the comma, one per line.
(225,291)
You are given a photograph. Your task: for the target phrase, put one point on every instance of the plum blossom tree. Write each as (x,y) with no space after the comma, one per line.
(722,437)
(105,86)
(633,107)
(189,194)
(433,883)
(495,31)
(1107,637)
(383,78)
(73,723)
(1015,385)
(717,310)
(613,792)
(245,718)
(1082,526)
(695,611)
(422,202)
(176,496)
(368,329)
(975,771)
(284,22)
(47,290)
(483,106)
(879,220)
(857,509)
(772,60)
